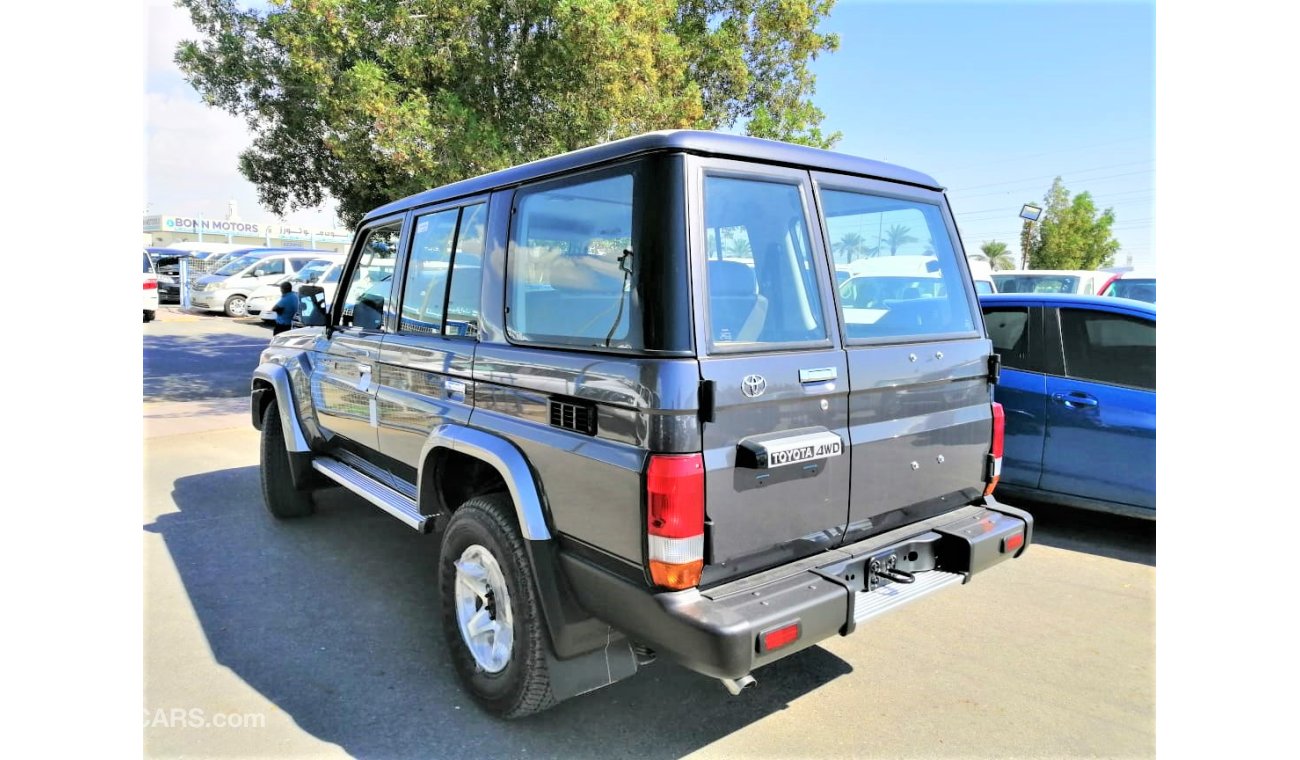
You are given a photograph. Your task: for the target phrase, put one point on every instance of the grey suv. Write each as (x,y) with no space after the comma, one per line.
(621,388)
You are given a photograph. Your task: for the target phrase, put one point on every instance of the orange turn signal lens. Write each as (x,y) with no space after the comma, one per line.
(676,577)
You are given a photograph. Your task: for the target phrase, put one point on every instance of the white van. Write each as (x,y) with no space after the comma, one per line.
(227,289)
(982,274)
(323,271)
(1077,281)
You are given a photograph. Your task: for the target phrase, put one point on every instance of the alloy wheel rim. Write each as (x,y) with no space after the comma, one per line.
(483,609)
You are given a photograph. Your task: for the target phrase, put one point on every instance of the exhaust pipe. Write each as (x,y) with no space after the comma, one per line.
(735,686)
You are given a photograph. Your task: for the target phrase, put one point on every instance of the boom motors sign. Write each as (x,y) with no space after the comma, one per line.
(190,224)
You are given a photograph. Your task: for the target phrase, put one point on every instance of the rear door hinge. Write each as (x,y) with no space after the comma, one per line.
(707,400)
(995,368)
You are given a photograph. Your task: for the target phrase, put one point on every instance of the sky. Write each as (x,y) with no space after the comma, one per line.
(991,99)
(994,100)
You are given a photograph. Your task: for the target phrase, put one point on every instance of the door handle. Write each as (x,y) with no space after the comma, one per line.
(364,368)
(1075,400)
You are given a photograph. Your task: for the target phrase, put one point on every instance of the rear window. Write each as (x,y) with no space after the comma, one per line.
(1022,283)
(1138,290)
(762,283)
(906,280)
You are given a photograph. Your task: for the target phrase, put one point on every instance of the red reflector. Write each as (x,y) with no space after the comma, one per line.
(778,638)
(675,496)
(1013,543)
(999,429)
(150,284)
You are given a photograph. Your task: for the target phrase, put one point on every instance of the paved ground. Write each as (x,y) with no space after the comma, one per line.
(322,632)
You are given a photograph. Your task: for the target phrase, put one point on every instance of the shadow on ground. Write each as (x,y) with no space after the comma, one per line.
(1105,535)
(190,367)
(334,618)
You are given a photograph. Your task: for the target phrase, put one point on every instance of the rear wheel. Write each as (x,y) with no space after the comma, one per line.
(282,498)
(236,306)
(491,616)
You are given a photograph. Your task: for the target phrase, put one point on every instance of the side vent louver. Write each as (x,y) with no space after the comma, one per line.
(576,416)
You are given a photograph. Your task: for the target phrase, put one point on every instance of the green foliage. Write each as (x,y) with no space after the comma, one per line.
(367,101)
(998,255)
(1071,234)
(896,237)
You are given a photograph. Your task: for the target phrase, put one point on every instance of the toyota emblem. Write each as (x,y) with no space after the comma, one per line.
(753,385)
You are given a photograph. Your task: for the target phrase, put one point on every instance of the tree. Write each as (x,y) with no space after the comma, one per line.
(896,237)
(366,101)
(737,248)
(998,255)
(1071,234)
(852,247)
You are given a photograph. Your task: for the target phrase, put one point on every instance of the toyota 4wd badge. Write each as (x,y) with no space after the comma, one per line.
(753,385)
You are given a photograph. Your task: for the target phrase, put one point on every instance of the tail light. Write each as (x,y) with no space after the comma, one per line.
(150,284)
(675,519)
(995,454)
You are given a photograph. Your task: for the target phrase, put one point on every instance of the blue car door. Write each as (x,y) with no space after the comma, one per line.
(1101,411)
(1016,331)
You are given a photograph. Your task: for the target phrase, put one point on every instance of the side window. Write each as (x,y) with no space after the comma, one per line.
(572,265)
(426,274)
(762,284)
(271,266)
(467,273)
(1009,330)
(1109,348)
(371,283)
(906,281)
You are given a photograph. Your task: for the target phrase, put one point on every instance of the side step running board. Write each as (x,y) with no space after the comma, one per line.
(396,504)
(867,605)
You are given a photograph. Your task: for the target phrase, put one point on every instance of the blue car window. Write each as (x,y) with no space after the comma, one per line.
(1109,348)
(1009,330)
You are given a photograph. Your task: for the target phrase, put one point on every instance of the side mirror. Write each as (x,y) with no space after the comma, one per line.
(312,310)
(259,272)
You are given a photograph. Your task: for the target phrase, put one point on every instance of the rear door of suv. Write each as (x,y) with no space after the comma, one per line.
(774,375)
(920,415)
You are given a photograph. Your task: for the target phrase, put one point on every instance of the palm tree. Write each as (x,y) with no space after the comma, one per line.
(737,248)
(998,255)
(897,237)
(853,246)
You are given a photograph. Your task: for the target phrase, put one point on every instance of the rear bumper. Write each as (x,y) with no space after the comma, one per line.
(718,631)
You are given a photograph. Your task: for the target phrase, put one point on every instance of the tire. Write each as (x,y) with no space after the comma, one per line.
(148,316)
(236,306)
(282,498)
(522,685)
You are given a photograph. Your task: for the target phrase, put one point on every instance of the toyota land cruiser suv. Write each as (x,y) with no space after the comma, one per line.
(622,390)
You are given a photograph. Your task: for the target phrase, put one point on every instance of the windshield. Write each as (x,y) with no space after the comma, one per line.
(312,272)
(1138,290)
(1031,283)
(237,266)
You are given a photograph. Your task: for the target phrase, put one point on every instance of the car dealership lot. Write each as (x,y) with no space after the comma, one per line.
(320,636)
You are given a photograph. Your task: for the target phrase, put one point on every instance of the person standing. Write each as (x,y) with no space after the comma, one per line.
(284,309)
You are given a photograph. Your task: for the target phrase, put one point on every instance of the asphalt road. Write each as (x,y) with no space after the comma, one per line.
(320,636)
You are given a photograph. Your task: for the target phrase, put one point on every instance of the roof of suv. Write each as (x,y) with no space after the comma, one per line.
(1068,299)
(689,141)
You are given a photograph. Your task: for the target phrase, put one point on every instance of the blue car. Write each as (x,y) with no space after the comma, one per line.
(1078,389)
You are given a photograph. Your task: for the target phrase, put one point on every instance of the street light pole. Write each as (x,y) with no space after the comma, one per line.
(1030,213)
